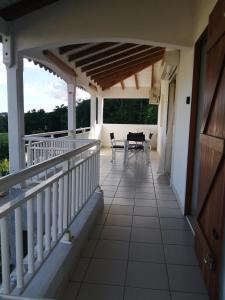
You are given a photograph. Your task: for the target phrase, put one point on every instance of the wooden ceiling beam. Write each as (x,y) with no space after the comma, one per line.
(127,66)
(122,85)
(22,8)
(116,79)
(59,63)
(68,48)
(136,81)
(105,54)
(112,59)
(125,60)
(90,50)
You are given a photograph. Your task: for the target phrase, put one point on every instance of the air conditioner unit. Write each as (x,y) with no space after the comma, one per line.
(170,63)
(154,95)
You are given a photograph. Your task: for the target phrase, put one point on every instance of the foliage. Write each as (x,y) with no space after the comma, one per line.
(4,151)
(4,167)
(130,111)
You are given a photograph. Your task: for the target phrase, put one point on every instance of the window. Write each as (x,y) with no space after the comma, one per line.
(130,111)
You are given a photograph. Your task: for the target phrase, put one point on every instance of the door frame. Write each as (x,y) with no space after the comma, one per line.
(193,120)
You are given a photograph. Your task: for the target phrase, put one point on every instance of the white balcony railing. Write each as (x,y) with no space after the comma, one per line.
(49,197)
(42,146)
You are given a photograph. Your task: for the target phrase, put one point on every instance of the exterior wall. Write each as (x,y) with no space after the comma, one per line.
(181,125)
(121,131)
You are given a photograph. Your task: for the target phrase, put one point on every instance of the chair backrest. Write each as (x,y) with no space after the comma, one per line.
(136,137)
(112,137)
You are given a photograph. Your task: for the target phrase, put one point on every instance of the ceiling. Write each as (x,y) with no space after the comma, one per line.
(14,9)
(107,64)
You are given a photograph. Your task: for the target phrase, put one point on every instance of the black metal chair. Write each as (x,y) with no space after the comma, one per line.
(115,146)
(136,141)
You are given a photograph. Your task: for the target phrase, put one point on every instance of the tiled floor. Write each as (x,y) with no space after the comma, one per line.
(141,247)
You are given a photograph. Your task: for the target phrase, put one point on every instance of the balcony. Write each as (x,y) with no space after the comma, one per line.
(139,245)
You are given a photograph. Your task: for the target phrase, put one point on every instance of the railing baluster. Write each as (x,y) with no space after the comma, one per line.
(30,235)
(48,218)
(5,256)
(61,195)
(40,227)
(54,211)
(73,193)
(19,247)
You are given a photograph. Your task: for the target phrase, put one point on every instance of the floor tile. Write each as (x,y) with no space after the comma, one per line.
(145,211)
(127,195)
(100,292)
(118,220)
(147,275)
(144,203)
(173,223)
(187,296)
(167,204)
(89,248)
(186,279)
(121,209)
(177,237)
(106,272)
(123,201)
(112,249)
(165,196)
(183,255)
(146,235)
(146,252)
(145,294)
(71,291)
(147,196)
(116,233)
(170,212)
(80,270)
(101,219)
(141,221)
(96,232)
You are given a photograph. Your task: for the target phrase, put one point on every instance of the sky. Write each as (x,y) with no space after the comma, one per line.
(42,90)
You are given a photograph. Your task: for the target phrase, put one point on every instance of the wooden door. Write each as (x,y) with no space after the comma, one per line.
(211,197)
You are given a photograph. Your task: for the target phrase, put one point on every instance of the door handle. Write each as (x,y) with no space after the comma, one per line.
(210,262)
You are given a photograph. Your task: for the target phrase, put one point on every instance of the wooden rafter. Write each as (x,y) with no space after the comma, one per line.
(122,85)
(22,8)
(126,60)
(136,81)
(111,59)
(90,51)
(118,78)
(107,53)
(68,48)
(59,63)
(126,66)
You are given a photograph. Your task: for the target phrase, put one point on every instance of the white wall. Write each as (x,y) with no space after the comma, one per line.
(181,125)
(121,131)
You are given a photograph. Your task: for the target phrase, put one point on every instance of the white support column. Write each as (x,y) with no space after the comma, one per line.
(16,115)
(100,109)
(71,89)
(93,115)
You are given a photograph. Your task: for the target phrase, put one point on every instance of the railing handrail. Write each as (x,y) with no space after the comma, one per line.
(43,134)
(15,178)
